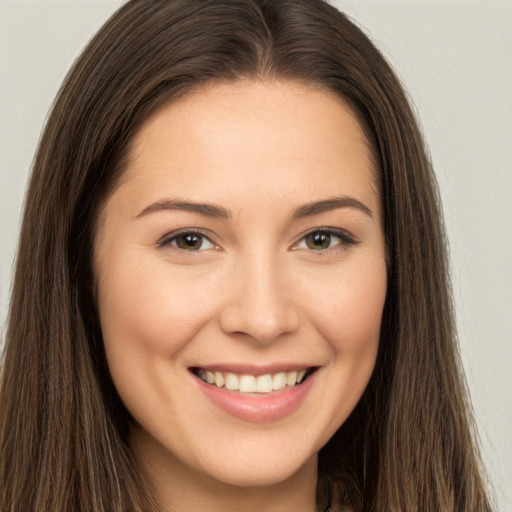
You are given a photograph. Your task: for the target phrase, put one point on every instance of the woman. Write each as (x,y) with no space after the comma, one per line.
(231,289)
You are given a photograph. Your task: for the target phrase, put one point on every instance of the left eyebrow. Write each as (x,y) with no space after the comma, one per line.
(310,209)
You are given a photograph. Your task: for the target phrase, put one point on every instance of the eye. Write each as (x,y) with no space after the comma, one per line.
(324,239)
(190,241)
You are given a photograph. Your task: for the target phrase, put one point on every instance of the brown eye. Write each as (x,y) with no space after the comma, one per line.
(189,241)
(318,240)
(325,240)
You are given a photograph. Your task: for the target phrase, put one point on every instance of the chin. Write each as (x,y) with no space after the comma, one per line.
(258,474)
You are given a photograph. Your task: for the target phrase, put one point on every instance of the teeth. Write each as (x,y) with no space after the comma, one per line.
(231,382)
(279,381)
(264,383)
(219,379)
(247,384)
(252,383)
(291,378)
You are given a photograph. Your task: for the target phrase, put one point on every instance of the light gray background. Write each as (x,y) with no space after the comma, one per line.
(455,57)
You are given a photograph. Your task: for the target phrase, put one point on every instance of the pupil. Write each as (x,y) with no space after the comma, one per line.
(189,242)
(319,241)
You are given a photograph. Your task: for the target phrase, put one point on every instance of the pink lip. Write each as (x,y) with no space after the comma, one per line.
(258,409)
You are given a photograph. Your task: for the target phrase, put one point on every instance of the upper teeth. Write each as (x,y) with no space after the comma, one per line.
(252,383)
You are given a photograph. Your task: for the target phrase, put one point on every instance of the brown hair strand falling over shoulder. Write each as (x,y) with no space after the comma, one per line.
(63,446)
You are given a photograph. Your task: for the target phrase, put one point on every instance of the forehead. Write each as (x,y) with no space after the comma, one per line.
(280,138)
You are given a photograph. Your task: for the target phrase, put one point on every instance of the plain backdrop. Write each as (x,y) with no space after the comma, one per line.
(455,58)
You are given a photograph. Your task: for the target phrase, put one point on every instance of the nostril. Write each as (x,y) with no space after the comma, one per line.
(258,326)
(261,308)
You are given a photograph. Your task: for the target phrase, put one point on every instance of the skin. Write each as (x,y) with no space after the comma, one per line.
(255,292)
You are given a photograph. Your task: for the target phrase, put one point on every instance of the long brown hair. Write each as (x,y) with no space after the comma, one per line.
(408,445)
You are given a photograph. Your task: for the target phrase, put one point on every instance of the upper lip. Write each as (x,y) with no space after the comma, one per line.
(253,369)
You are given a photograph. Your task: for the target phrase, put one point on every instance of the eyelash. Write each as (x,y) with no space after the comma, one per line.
(171,239)
(344,240)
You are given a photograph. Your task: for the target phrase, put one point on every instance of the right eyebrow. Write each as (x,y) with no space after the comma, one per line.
(206,209)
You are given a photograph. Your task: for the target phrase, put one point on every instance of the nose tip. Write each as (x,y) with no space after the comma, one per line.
(262,309)
(262,328)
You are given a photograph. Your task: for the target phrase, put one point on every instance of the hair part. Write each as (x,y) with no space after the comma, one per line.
(63,430)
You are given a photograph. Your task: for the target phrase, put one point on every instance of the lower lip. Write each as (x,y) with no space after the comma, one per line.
(255,409)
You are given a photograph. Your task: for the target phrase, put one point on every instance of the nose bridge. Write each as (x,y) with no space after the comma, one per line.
(261,303)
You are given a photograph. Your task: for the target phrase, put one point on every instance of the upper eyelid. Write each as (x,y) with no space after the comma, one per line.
(340,232)
(173,234)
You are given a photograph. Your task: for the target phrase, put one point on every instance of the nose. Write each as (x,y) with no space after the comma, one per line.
(261,304)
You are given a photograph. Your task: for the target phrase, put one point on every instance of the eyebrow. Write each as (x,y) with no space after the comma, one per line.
(208,210)
(219,212)
(310,209)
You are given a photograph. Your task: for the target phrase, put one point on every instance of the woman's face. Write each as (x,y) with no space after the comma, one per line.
(241,279)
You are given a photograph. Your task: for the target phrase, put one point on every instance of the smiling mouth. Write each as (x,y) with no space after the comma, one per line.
(246,383)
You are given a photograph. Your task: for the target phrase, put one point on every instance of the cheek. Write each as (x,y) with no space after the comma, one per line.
(349,312)
(349,318)
(148,316)
(147,312)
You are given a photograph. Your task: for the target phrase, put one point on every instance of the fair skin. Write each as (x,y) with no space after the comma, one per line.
(243,244)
